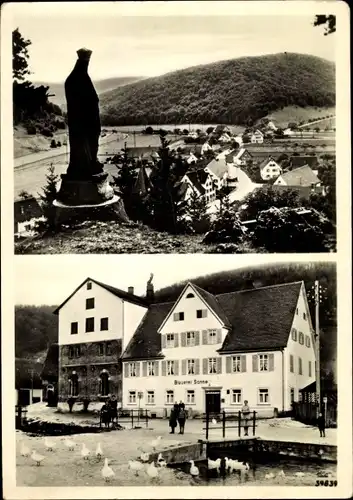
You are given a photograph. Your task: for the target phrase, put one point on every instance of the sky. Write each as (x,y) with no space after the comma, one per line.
(146,40)
(50,279)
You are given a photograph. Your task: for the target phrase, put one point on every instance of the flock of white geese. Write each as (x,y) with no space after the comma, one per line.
(143,464)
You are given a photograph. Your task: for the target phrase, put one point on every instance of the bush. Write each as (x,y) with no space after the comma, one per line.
(46,132)
(225,229)
(58,144)
(31,129)
(53,144)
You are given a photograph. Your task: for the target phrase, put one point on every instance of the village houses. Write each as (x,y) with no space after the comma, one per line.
(201,183)
(302,176)
(269,169)
(257,137)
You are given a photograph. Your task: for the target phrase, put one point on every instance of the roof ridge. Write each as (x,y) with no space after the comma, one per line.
(261,288)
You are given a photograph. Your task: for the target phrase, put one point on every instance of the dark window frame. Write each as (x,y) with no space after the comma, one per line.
(103,324)
(90,303)
(87,330)
(72,324)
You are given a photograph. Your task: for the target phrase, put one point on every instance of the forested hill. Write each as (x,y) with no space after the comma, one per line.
(237,91)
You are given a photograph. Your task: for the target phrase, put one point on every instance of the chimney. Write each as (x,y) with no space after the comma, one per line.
(150,290)
(130,290)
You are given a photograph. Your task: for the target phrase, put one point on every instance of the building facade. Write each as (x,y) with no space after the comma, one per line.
(215,352)
(270,169)
(96,324)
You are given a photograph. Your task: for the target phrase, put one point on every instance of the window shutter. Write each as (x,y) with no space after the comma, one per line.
(176,367)
(271,362)
(138,369)
(183,339)
(219,365)
(183,367)
(176,339)
(243,363)
(219,335)
(126,369)
(254,363)
(197,366)
(204,366)
(229,364)
(164,341)
(204,337)
(197,338)
(164,371)
(144,369)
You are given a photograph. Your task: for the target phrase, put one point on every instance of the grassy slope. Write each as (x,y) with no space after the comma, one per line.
(282,117)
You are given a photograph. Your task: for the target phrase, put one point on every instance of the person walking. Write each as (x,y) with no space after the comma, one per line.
(113,408)
(246,416)
(321,425)
(181,418)
(173,418)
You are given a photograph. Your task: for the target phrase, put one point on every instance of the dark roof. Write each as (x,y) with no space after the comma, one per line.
(51,363)
(300,161)
(27,209)
(259,318)
(134,299)
(136,152)
(198,178)
(146,342)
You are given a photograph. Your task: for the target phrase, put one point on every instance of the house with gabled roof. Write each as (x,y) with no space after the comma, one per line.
(213,352)
(257,137)
(301,160)
(201,183)
(239,157)
(269,169)
(302,176)
(27,212)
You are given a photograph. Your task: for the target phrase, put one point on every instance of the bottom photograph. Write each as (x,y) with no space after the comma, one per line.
(133,371)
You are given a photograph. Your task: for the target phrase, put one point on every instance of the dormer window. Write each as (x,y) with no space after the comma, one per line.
(178,316)
(89,285)
(190,296)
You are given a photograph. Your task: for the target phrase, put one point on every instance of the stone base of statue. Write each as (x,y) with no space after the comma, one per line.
(92,199)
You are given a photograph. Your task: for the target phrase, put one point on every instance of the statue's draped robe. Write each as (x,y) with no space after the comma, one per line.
(84,123)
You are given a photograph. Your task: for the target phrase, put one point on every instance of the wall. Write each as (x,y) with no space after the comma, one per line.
(133,315)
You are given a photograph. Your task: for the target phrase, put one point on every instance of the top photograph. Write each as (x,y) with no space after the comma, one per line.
(157,132)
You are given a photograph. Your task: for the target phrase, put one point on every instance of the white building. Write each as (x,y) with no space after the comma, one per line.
(257,137)
(206,147)
(200,182)
(217,351)
(270,169)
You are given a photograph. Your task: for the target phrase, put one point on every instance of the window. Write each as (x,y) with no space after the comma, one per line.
(190,397)
(291,363)
(90,303)
(236,365)
(263,396)
(304,316)
(212,365)
(263,359)
(108,349)
(201,313)
(190,296)
(297,311)
(169,397)
(309,368)
(89,324)
(71,352)
(178,316)
(212,337)
(89,285)
(170,340)
(27,227)
(292,395)
(104,384)
(294,334)
(132,370)
(150,369)
(73,385)
(236,396)
(300,366)
(104,324)
(191,366)
(190,338)
(150,397)
(101,349)
(307,341)
(301,338)
(74,328)
(170,368)
(132,397)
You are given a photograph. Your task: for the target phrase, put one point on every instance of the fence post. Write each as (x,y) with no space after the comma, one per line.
(146,419)
(239,423)
(132,419)
(254,424)
(207,422)
(224,424)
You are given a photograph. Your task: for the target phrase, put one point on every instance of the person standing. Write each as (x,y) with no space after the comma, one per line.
(246,416)
(181,418)
(321,425)
(173,418)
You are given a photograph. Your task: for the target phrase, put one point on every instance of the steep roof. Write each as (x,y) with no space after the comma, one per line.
(266,161)
(129,297)
(198,178)
(51,363)
(143,183)
(302,176)
(259,318)
(218,167)
(300,161)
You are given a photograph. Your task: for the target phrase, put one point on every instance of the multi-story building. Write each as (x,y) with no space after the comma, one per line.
(96,323)
(216,351)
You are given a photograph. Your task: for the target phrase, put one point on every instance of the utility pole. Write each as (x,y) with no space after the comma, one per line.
(32,373)
(317,344)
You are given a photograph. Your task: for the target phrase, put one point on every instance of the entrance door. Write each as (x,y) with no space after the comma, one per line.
(213,401)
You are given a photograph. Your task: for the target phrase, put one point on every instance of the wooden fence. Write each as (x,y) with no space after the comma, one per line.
(124,417)
(229,420)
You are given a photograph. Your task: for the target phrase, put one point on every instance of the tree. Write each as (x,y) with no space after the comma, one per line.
(209,130)
(265,198)
(149,130)
(196,213)
(24,195)
(226,228)
(328,21)
(19,56)
(47,198)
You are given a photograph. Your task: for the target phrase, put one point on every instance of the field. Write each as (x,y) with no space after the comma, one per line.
(296,114)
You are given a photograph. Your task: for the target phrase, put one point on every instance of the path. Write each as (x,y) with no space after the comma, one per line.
(317,121)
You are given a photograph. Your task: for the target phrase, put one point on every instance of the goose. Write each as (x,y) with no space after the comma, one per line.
(50,445)
(160,461)
(152,471)
(242,467)
(269,475)
(25,451)
(85,452)
(155,442)
(99,451)
(299,474)
(194,471)
(136,466)
(215,464)
(214,421)
(107,472)
(144,457)
(37,458)
(70,444)
(281,474)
